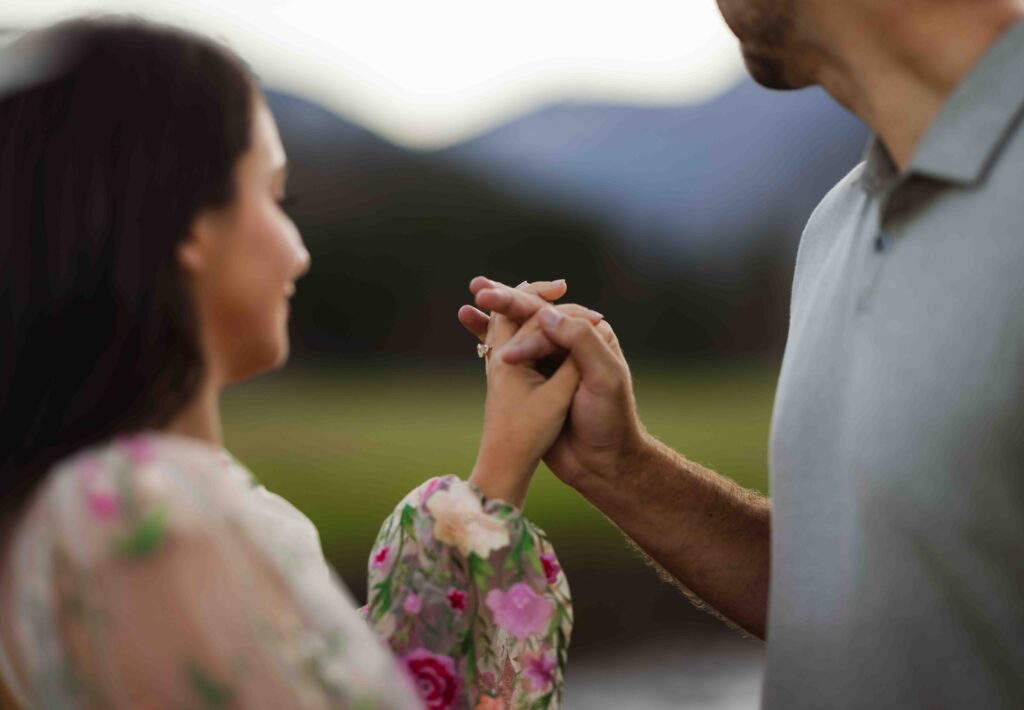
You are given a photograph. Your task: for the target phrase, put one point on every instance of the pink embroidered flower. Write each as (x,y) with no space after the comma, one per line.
(103,505)
(428,489)
(380,557)
(412,604)
(102,498)
(138,447)
(551,567)
(539,668)
(434,676)
(456,599)
(461,522)
(520,610)
(364,611)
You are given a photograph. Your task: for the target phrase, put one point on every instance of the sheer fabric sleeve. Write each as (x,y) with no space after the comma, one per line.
(471,598)
(176,581)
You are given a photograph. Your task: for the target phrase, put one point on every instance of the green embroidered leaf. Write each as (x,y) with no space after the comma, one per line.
(381,604)
(408,516)
(470,656)
(556,620)
(480,569)
(535,563)
(212,693)
(527,540)
(147,535)
(542,702)
(253,481)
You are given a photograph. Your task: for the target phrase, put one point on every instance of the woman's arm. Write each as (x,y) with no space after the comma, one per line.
(471,598)
(465,590)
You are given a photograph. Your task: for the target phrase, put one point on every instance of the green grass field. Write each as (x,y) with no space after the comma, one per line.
(345,446)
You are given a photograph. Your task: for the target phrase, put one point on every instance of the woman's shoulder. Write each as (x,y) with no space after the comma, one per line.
(127,495)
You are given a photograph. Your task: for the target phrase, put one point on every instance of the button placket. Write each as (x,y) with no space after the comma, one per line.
(882,240)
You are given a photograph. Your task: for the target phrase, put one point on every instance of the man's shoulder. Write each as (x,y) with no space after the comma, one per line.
(837,202)
(826,223)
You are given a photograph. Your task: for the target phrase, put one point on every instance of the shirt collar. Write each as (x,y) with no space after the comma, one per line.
(966,135)
(879,167)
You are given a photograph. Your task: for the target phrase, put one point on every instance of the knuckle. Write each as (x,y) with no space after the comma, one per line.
(571,308)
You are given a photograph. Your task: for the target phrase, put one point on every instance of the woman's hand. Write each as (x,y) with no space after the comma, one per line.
(524,411)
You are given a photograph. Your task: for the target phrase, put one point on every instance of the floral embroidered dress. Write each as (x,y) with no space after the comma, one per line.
(154,571)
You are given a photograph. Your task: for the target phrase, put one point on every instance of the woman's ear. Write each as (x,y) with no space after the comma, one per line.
(194,251)
(190,256)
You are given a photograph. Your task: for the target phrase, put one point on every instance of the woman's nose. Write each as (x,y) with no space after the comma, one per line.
(305,261)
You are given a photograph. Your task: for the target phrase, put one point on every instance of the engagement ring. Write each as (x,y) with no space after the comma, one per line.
(482,350)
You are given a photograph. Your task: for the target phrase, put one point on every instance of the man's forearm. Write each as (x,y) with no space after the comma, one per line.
(710,534)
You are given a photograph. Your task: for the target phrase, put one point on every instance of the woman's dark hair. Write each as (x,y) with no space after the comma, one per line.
(115,132)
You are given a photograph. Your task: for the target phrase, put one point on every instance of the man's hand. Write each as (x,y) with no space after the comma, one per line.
(708,534)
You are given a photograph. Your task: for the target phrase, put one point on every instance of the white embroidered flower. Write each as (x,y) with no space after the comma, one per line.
(461,522)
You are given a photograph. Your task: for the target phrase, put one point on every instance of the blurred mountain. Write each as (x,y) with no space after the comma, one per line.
(395,236)
(683,180)
(680,223)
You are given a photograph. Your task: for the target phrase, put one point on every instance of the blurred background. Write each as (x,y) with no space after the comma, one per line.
(617,145)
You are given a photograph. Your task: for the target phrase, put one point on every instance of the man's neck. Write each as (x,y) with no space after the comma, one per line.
(896,72)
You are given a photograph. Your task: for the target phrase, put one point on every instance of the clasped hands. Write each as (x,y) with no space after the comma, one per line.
(581,420)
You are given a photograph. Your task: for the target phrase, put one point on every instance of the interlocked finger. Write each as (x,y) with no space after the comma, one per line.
(477,322)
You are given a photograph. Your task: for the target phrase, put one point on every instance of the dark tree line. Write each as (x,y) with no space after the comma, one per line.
(396,236)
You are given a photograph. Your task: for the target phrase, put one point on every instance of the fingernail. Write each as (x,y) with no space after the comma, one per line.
(558,281)
(522,284)
(595,314)
(551,318)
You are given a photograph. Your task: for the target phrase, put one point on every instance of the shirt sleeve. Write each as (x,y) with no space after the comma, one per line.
(471,598)
(181,583)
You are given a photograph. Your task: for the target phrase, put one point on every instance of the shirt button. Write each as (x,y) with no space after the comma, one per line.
(883,242)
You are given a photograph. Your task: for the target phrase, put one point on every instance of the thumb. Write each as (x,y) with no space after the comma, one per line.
(597,364)
(562,385)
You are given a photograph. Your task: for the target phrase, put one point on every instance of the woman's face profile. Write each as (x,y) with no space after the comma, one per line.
(241,260)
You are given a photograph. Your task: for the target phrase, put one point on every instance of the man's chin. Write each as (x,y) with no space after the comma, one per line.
(771,72)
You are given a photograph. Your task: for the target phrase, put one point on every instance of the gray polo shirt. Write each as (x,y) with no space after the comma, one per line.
(897,449)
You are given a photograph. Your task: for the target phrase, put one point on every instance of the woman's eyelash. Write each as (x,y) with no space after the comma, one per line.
(288,201)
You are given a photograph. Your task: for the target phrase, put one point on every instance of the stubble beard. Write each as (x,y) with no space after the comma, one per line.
(766,30)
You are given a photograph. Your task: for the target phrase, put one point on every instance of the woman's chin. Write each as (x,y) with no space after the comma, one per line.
(283,353)
(262,359)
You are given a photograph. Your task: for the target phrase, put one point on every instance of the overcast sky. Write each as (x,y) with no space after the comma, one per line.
(426,73)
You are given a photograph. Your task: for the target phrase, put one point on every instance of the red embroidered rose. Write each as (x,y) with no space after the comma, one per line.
(456,599)
(551,567)
(434,676)
(380,558)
